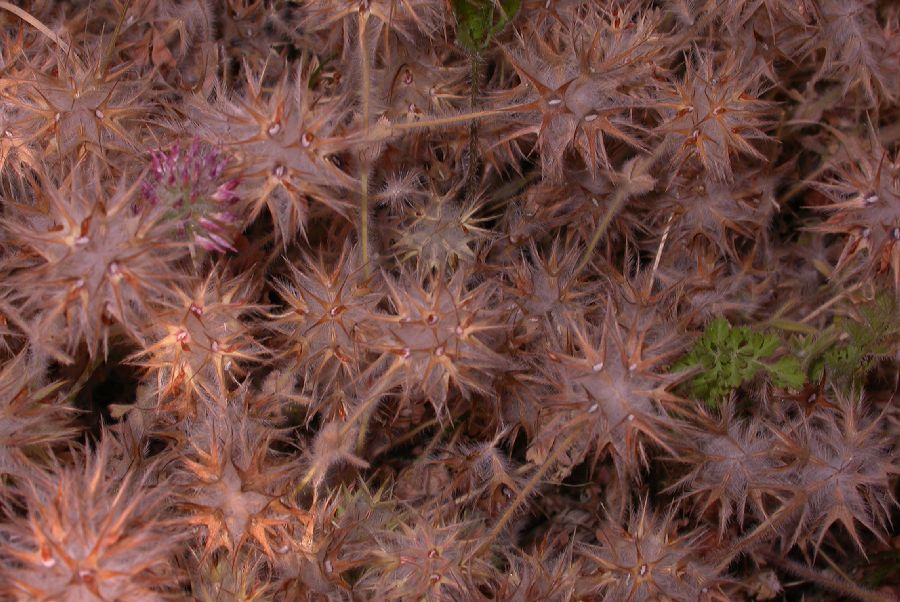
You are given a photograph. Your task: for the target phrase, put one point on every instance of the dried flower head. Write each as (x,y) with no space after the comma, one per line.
(439,233)
(336,544)
(80,102)
(696,210)
(90,535)
(441,335)
(329,328)
(546,291)
(646,560)
(865,191)
(845,471)
(408,19)
(715,113)
(609,386)
(16,155)
(89,261)
(31,416)
(545,573)
(282,138)
(414,83)
(857,49)
(732,466)
(233,484)
(425,558)
(242,577)
(201,342)
(584,72)
(482,475)
(247,33)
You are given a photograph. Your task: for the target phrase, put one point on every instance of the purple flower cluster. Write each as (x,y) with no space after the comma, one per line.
(189,186)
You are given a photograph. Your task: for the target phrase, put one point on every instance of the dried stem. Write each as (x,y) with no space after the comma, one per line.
(449,120)
(659,250)
(533,482)
(364,164)
(472,169)
(34,22)
(760,533)
(831,582)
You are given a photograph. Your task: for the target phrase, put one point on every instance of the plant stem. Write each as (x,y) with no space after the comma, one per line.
(409,436)
(364,163)
(472,175)
(618,201)
(379,388)
(450,120)
(364,219)
(83,379)
(502,193)
(533,482)
(832,301)
(662,243)
(362,413)
(834,583)
(761,532)
(623,193)
(34,22)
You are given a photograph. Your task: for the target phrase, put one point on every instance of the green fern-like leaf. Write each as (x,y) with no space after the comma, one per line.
(872,338)
(727,357)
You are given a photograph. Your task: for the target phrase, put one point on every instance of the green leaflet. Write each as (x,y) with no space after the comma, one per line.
(874,337)
(849,348)
(727,357)
(478,21)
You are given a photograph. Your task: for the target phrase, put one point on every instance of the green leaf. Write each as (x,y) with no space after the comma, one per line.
(717,333)
(876,335)
(787,373)
(765,345)
(729,357)
(478,21)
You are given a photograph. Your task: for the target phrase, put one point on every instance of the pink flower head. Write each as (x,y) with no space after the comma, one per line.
(196,199)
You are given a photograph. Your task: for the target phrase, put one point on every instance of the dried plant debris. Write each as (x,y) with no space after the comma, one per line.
(449,300)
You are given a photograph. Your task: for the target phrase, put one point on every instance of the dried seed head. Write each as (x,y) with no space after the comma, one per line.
(91,526)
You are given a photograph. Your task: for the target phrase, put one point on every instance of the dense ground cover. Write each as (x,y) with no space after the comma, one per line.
(449,300)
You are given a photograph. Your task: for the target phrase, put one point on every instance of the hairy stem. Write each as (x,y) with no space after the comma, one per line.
(406,437)
(639,169)
(34,22)
(449,120)
(616,205)
(375,392)
(83,379)
(533,482)
(760,533)
(472,171)
(831,582)
(662,243)
(115,36)
(364,164)
(362,414)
